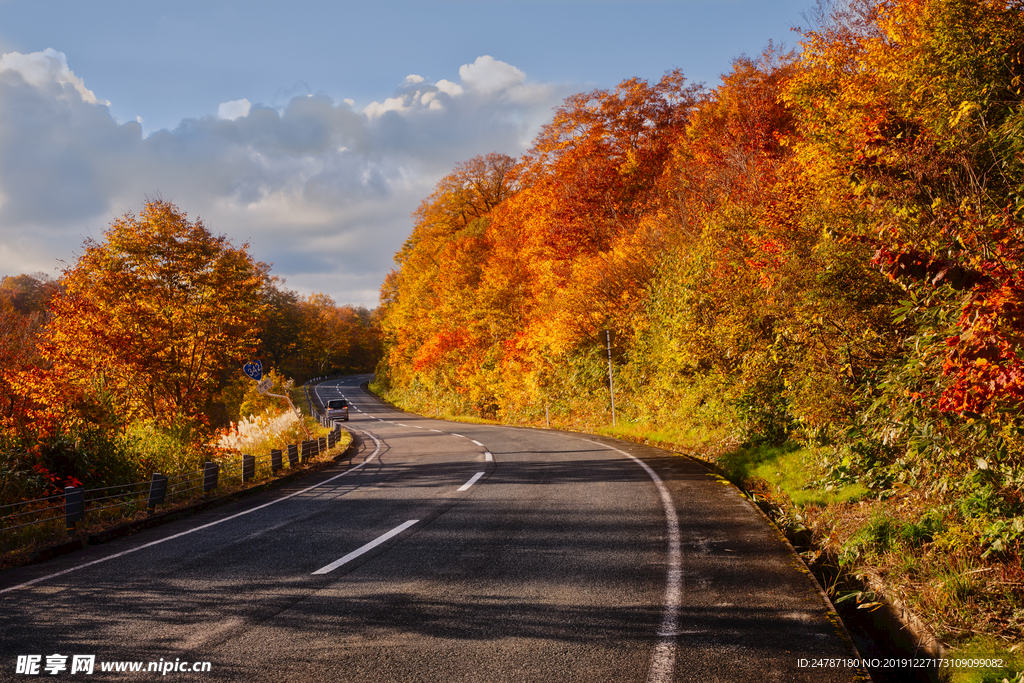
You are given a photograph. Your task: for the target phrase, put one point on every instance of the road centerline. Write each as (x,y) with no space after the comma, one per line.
(471,481)
(366,548)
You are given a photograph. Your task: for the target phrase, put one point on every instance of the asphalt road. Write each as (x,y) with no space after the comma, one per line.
(443,552)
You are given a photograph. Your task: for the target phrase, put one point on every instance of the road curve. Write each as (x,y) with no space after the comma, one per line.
(445,551)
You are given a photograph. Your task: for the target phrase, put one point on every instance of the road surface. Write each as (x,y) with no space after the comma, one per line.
(443,552)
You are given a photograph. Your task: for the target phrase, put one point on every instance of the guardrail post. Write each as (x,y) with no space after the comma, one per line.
(74,507)
(275,460)
(293,455)
(307,447)
(248,467)
(321,445)
(330,440)
(157,492)
(210,471)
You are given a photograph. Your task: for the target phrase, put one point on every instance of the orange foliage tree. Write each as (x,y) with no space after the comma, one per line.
(828,243)
(151,316)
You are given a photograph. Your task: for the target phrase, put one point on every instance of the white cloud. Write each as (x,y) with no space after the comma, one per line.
(45,69)
(487,74)
(449,88)
(376,109)
(322,190)
(234,110)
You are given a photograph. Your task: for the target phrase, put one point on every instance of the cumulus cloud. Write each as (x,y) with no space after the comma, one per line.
(234,110)
(488,74)
(321,189)
(46,70)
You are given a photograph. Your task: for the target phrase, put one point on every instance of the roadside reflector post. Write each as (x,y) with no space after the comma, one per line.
(157,492)
(248,468)
(611,385)
(74,507)
(210,471)
(293,455)
(275,459)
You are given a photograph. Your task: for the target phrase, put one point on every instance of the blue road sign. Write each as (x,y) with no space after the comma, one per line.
(254,369)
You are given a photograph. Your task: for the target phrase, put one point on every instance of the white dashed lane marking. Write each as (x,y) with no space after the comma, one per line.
(471,481)
(369,546)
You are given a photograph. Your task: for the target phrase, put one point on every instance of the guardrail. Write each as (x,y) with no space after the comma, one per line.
(75,502)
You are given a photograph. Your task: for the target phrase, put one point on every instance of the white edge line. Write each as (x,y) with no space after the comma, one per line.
(488,457)
(664,657)
(204,526)
(472,480)
(369,546)
(477,443)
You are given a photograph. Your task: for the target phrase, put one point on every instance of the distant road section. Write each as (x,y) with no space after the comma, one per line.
(445,551)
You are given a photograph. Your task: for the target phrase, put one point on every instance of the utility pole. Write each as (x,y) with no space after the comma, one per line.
(611,384)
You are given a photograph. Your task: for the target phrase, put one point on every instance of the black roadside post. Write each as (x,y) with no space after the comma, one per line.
(74,507)
(210,471)
(293,455)
(157,492)
(275,459)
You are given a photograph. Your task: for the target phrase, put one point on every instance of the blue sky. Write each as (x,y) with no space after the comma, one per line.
(310,130)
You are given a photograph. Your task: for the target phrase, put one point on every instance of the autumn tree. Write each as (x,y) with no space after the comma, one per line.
(153,313)
(911,114)
(281,328)
(332,338)
(432,320)
(24,314)
(603,153)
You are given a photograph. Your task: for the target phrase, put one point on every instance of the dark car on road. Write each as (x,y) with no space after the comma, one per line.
(337,409)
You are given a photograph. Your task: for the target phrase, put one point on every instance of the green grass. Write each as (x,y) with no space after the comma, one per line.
(789,467)
(986,649)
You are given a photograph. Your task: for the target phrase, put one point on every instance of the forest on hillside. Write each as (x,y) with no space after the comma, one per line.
(132,359)
(824,253)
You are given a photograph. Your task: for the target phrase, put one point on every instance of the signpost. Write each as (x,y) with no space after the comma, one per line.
(254,370)
(611,385)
